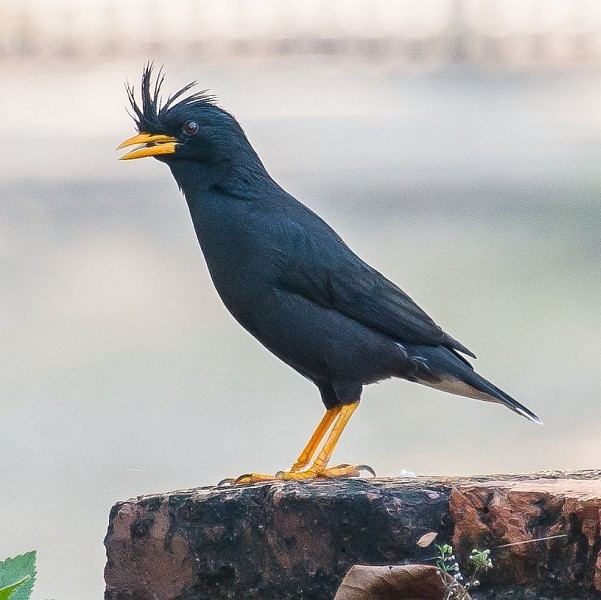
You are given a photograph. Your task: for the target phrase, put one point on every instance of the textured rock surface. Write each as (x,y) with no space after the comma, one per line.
(500,513)
(297,540)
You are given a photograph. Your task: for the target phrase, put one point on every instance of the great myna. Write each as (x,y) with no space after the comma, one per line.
(289,279)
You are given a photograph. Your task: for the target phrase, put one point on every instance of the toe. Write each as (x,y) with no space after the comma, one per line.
(345,470)
(297,475)
(248,478)
(340,471)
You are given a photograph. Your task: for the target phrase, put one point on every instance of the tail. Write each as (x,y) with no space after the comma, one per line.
(442,369)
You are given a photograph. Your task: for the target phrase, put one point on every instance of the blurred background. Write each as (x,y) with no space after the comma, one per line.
(454,144)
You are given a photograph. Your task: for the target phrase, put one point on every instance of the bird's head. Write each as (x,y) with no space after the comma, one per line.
(188,130)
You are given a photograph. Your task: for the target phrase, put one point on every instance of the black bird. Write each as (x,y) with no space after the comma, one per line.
(289,279)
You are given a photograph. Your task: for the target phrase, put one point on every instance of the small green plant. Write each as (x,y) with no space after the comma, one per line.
(17,576)
(458,585)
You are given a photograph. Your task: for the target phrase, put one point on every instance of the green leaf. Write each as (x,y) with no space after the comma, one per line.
(17,576)
(7,592)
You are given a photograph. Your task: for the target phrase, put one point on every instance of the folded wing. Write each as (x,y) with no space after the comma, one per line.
(334,277)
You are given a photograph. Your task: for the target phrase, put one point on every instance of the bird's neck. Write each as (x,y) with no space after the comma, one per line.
(193,177)
(244,176)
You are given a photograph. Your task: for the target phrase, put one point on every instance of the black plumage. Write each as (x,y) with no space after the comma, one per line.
(285,275)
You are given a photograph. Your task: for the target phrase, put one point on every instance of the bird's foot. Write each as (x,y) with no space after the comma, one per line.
(337,472)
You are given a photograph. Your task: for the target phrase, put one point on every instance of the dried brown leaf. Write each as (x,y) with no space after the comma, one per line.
(427,539)
(407,582)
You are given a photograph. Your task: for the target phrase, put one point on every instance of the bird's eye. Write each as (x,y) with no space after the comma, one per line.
(190,128)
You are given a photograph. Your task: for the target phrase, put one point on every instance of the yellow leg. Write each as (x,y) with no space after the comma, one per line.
(340,416)
(319,466)
(309,450)
(306,454)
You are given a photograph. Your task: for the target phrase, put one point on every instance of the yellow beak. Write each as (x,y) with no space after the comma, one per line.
(148,145)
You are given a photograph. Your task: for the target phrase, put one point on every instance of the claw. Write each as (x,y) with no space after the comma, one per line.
(243,479)
(227,481)
(366,468)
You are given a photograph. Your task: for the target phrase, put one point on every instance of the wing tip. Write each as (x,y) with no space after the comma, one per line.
(456,345)
(528,414)
(514,405)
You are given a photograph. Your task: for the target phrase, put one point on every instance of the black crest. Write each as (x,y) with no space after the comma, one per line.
(149,117)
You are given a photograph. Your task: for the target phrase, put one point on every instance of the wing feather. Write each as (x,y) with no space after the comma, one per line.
(332,275)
